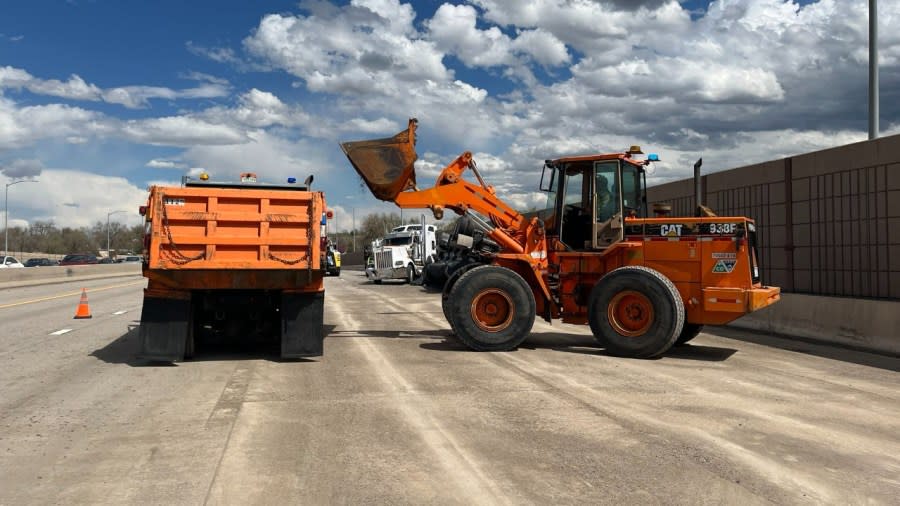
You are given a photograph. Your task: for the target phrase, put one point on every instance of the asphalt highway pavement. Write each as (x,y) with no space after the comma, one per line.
(398,412)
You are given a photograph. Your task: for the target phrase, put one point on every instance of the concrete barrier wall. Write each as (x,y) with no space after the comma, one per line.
(872,325)
(10,278)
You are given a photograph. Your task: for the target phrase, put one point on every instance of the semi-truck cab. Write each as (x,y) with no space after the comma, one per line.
(403,253)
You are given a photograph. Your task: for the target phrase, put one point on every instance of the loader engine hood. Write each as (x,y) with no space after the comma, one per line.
(386,165)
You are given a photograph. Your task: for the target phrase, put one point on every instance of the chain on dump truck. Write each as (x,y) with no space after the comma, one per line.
(594,256)
(234,261)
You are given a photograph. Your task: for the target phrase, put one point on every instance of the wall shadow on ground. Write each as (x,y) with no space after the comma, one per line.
(809,347)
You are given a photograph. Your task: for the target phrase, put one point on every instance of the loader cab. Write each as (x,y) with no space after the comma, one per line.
(589,197)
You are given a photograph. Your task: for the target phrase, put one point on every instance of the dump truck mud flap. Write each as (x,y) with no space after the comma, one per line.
(165,326)
(302,319)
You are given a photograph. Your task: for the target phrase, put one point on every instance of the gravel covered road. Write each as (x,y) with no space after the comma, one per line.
(397,412)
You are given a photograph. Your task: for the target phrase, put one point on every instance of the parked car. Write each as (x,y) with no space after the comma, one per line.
(78,259)
(10,263)
(106,260)
(129,259)
(40,262)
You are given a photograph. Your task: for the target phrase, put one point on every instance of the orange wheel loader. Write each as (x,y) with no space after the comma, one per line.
(592,256)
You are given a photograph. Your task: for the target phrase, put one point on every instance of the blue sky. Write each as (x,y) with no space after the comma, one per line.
(99,99)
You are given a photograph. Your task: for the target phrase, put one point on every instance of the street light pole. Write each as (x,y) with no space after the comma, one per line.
(354,230)
(6,213)
(873,69)
(107,230)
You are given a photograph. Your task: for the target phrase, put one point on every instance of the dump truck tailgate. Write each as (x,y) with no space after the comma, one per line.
(228,228)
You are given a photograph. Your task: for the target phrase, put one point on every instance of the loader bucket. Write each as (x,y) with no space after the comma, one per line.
(386,165)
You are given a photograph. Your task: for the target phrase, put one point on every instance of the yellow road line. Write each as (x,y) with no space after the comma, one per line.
(4,306)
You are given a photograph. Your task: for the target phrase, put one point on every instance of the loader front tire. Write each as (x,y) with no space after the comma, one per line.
(635,311)
(491,308)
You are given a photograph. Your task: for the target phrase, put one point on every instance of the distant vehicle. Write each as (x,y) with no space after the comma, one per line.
(128,259)
(40,262)
(106,260)
(402,254)
(79,259)
(10,263)
(333,262)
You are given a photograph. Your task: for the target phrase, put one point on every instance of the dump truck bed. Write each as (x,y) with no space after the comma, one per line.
(237,238)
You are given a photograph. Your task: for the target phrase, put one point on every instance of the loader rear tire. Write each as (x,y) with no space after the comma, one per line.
(491,308)
(688,332)
(635,311)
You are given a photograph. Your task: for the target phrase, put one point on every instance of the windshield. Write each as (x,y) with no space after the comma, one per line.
(397,241)
(631,190)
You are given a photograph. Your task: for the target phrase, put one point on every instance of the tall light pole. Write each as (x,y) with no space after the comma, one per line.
(6,213)
(873,69)
(354,229)
(107,230)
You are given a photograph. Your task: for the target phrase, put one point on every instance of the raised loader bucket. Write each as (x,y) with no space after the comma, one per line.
(386,165)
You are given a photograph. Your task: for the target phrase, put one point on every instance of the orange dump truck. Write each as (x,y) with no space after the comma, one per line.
(233,262)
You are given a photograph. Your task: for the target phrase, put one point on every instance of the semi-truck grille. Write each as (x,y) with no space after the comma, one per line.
(384,259)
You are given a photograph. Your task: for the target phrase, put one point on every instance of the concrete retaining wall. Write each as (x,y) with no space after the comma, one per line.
(10,278)
(872,325)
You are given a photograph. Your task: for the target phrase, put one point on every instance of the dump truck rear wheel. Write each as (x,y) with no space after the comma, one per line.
(688,332)
(635,311)
(492,308)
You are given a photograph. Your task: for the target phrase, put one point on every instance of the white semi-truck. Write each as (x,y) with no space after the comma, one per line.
(403,253)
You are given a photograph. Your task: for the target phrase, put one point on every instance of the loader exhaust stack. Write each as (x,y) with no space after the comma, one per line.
(386,165)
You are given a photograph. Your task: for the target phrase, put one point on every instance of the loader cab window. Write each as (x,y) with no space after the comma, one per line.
(608,199)
(633,201)
(577,211)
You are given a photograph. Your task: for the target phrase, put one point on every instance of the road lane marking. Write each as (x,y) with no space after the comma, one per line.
(419,412)
(100,289)
(120,312)
(60,332)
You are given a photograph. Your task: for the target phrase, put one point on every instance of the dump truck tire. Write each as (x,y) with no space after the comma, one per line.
(635,311)
(492,308)
(410,274)
(688,332)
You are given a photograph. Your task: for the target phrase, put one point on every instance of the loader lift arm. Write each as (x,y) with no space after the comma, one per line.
(377,162)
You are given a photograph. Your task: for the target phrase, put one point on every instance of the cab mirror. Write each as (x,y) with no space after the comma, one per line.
(547,178)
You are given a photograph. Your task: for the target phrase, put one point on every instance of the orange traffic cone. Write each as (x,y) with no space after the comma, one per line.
(83,310)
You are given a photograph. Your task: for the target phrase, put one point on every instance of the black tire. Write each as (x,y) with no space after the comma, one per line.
(337,272)
(410,274)
(445,297)
(377,281)
(190,342)
(635,311)
(491,308)
(688,332)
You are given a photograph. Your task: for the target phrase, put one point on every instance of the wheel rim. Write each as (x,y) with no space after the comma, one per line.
(492,310)
(630,313)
